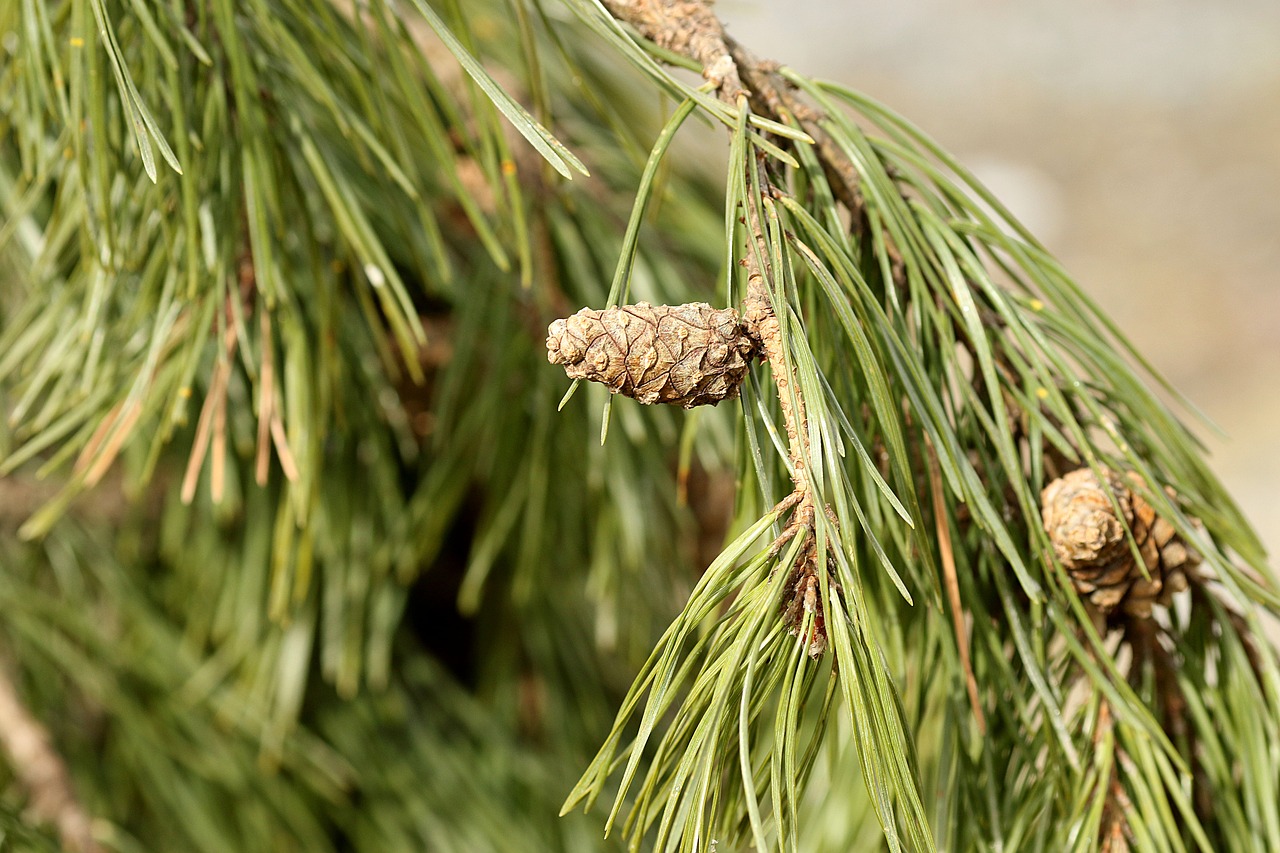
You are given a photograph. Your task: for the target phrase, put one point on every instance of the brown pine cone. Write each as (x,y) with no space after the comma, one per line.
(1089,539)
(691,355)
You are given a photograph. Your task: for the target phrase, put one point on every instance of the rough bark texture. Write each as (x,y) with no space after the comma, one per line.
(690,355)
(803,597)
(689,28)
(1089,538)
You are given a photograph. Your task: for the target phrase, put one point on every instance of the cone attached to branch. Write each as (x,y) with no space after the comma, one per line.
(1089,538)
(690,355)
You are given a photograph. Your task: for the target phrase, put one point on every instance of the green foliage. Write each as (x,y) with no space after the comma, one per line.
(257,307)
(309,353)
(17,837)
(970,363)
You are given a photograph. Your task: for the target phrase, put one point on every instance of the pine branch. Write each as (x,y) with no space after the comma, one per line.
(386,185)
(936,296)
(692,29)
(805,592)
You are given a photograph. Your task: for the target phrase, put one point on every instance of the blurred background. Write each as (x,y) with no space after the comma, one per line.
(1139,139)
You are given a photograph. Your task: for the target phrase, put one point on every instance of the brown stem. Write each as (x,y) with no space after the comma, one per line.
(758,313)
(42,772)
(772,96)
(691,28)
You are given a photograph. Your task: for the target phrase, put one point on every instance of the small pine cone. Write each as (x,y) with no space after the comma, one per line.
(690,354)
(1089,539)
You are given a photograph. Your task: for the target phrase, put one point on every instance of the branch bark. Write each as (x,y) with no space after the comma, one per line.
(691,28)
(42,772)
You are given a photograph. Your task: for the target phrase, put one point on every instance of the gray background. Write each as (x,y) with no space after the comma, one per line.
(1139,139)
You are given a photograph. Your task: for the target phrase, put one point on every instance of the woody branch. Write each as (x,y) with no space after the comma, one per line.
(690,28)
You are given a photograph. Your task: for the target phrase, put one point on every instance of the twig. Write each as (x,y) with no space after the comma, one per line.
(772,96)
(759,315)
(691,28)
(42,772)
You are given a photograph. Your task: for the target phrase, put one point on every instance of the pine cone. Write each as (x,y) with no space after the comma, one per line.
(687,354)
(1089,539)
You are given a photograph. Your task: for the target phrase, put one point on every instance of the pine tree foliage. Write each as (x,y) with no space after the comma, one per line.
(15,834)
(306,547)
